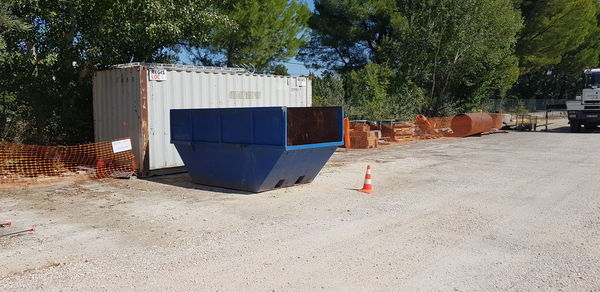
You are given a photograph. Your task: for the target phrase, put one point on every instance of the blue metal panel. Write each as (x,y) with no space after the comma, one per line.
(181,126)
(269,127)
(252,169)
(205,126)
(236,127)
(247,149)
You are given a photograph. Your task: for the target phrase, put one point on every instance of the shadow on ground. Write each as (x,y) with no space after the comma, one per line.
(184,180)
(567,130)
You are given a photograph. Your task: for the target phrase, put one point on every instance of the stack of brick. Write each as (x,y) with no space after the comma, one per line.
(397,132)
(362,137)
(427,128)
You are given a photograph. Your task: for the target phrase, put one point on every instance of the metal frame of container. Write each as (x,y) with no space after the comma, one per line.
(128,104)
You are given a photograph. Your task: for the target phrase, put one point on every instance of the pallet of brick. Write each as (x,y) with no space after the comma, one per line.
(372,139)
(388,131)
(403,131)
(404,138)
(363,140)
(403,126)
(358,143)
(360,134)
(360,127)
(398,132)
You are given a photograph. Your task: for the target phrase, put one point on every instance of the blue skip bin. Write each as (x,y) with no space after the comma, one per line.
(256,149)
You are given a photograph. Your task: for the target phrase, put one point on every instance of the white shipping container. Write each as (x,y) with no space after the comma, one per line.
(133,100)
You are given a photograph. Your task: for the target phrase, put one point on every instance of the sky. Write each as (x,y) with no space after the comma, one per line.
(296,68)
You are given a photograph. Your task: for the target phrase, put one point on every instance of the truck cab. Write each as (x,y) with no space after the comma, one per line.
(585,109)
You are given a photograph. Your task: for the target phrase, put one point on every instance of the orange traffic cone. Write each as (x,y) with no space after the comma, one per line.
(367,187)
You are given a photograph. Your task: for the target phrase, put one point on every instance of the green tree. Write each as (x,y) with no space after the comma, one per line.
(9,22)
(47,69)
(266,32)
(559,40)
(373,95)
(348,33)
(328,89)
(457,52)
(552,29)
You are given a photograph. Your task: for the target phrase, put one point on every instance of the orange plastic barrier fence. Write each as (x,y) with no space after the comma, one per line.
(22,166)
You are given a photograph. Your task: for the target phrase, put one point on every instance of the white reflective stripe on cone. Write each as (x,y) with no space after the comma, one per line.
(368,181)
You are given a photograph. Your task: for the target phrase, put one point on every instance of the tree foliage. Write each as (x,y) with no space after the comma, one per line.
(347,33)
(47,68)
(328,89)
(457,52)
(559,40)
(385,59)
(265,32)
(373,94)
(9,22)
(552,29)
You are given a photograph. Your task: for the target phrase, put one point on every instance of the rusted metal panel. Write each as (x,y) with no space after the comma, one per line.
(144,154)
(497,120)
(314,125)
(117,107)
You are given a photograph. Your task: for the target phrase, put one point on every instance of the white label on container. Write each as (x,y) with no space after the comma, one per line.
(121,145)
(301,81)
(157,74)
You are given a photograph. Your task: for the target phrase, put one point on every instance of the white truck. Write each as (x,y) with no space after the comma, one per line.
(585,109)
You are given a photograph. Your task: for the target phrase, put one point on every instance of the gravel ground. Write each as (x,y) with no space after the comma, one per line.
(517,211)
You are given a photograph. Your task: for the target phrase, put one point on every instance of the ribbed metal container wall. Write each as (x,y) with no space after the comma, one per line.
(117,107)
(127,95)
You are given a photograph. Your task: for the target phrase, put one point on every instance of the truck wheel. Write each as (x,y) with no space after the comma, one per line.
(575,127)
(589,126)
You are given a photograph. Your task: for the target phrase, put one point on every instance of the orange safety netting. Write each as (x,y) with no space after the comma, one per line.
(28,165)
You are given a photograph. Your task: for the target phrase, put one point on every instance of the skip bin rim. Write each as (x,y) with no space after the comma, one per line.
(253,145)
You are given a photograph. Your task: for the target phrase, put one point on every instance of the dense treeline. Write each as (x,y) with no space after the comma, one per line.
(398,58)
(381,59)
(51,48)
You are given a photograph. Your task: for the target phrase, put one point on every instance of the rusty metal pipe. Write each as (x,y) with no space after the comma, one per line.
(471,124)
(497,119)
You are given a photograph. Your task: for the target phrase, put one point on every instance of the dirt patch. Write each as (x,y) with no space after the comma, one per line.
(501,212)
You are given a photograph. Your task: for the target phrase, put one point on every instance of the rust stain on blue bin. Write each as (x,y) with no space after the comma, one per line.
(256,149)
